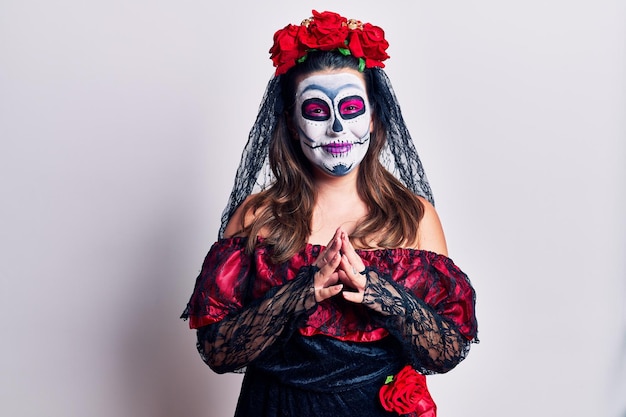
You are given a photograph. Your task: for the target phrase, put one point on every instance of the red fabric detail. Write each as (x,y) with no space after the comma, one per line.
(222,284)
(220,287)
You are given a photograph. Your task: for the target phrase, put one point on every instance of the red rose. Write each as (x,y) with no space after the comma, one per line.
(287,48)
(370,44)
(327,31)
(407,393)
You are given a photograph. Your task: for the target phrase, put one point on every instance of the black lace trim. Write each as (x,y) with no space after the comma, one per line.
(433,344)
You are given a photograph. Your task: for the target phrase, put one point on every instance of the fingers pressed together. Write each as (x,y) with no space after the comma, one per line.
(339,267)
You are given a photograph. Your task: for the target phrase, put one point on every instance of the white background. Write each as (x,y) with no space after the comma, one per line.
(121,126)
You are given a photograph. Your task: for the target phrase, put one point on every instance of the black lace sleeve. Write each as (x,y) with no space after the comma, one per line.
(239,339)
(433,344)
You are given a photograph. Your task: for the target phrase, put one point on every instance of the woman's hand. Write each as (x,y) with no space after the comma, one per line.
(339,266)
(326,278)
(350,270)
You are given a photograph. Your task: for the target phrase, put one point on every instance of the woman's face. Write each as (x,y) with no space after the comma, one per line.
(333,118)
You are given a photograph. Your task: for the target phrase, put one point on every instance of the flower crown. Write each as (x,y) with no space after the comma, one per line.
(328,31)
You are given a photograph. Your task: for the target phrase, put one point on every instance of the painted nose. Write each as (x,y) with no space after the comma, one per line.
(337,127)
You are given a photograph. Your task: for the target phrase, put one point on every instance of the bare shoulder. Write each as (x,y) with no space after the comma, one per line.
(430,235)
(241,218)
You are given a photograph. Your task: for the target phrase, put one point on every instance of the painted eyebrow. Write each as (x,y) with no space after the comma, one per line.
(331,93)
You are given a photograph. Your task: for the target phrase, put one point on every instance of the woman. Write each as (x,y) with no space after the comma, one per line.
(331,286)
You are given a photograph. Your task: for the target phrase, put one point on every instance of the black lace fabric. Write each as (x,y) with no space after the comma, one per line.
(433,344)
(232,343)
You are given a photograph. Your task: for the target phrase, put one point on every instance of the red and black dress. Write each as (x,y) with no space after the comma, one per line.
(304,358)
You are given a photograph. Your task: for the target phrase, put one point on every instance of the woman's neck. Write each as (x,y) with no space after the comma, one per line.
(337,203)
(343,187)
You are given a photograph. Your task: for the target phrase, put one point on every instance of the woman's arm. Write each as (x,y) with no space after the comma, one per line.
(434,343)
(237,340)
(430,234)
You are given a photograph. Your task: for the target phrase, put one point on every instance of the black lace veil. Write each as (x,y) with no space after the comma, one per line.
(399,155)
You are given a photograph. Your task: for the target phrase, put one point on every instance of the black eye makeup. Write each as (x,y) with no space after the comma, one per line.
(318,110)
(315,109)
(351,107)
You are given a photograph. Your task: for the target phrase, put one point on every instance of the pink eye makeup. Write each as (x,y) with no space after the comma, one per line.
(351,107)
(318,110)
(315,109)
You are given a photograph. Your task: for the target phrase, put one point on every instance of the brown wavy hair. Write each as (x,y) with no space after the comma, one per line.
(284,210)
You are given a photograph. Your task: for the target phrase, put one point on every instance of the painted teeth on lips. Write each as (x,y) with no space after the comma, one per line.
(337,148)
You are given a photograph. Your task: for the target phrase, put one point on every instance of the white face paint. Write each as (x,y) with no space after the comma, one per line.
(333,118)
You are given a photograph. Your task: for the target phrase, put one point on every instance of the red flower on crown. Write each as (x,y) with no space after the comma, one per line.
(325,31)
(369,43)
(328,31)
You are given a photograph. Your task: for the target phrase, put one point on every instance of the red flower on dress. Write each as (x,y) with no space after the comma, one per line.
(407,393)
(328,31)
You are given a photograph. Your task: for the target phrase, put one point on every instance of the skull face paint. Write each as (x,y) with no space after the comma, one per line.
(333,119)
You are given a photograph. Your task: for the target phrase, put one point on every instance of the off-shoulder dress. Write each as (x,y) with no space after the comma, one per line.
(303,358)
